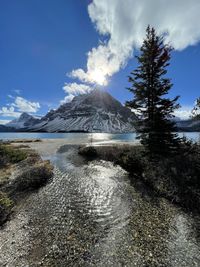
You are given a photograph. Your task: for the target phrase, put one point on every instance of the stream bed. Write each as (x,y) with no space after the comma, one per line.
(90,214)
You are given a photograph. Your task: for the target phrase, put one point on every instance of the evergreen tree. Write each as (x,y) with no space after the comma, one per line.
(196,110)
(150,86)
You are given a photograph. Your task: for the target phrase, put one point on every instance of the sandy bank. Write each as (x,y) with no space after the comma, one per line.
(48,147)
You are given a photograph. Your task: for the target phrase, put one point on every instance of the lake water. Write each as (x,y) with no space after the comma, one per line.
(95,137)
(126,137)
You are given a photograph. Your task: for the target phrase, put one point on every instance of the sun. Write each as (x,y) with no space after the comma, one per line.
(98,76)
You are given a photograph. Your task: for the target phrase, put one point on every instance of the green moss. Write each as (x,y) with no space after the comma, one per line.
(5,201)
(6,205)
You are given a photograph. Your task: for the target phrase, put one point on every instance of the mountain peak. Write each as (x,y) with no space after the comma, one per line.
(25,115)
(23,121)
(96,111)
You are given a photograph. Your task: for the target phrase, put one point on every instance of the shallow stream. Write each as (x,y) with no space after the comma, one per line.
(90,215)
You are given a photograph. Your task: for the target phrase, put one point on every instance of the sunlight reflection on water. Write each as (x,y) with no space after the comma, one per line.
(87,137)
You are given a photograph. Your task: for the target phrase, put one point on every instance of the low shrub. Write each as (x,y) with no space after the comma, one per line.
(88,152)
(6,205)
(132,161)
(175,176)
(10,154)
(30,173)
(32,178)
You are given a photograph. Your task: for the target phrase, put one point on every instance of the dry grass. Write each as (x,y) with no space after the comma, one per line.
(5,174)
(28,172)
(26,141)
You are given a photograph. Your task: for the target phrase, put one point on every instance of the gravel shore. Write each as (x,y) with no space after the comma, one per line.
(90,215)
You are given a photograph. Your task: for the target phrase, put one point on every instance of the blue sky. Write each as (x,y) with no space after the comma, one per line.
(42,41)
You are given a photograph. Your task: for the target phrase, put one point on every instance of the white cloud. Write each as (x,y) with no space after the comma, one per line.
(17,91)
(184,112)
(67,99)
(19,105)
(3,122)
(76,89)
(24,105)
(10,96)
(9,112)
(123,23)
(80,74)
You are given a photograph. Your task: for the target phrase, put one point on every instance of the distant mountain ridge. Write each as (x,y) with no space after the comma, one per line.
(190,125)
(25,120)
(96,111)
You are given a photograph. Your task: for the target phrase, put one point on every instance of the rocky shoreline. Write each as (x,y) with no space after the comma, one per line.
(89,214)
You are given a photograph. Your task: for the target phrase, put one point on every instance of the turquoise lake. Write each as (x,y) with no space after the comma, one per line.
(126,137)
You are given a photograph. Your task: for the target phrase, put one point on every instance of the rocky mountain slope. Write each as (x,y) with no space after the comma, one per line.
(4,128)
(24,121)
(96,111)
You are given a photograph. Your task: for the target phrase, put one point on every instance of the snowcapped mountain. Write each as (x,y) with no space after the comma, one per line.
(25,120)
(96,111)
